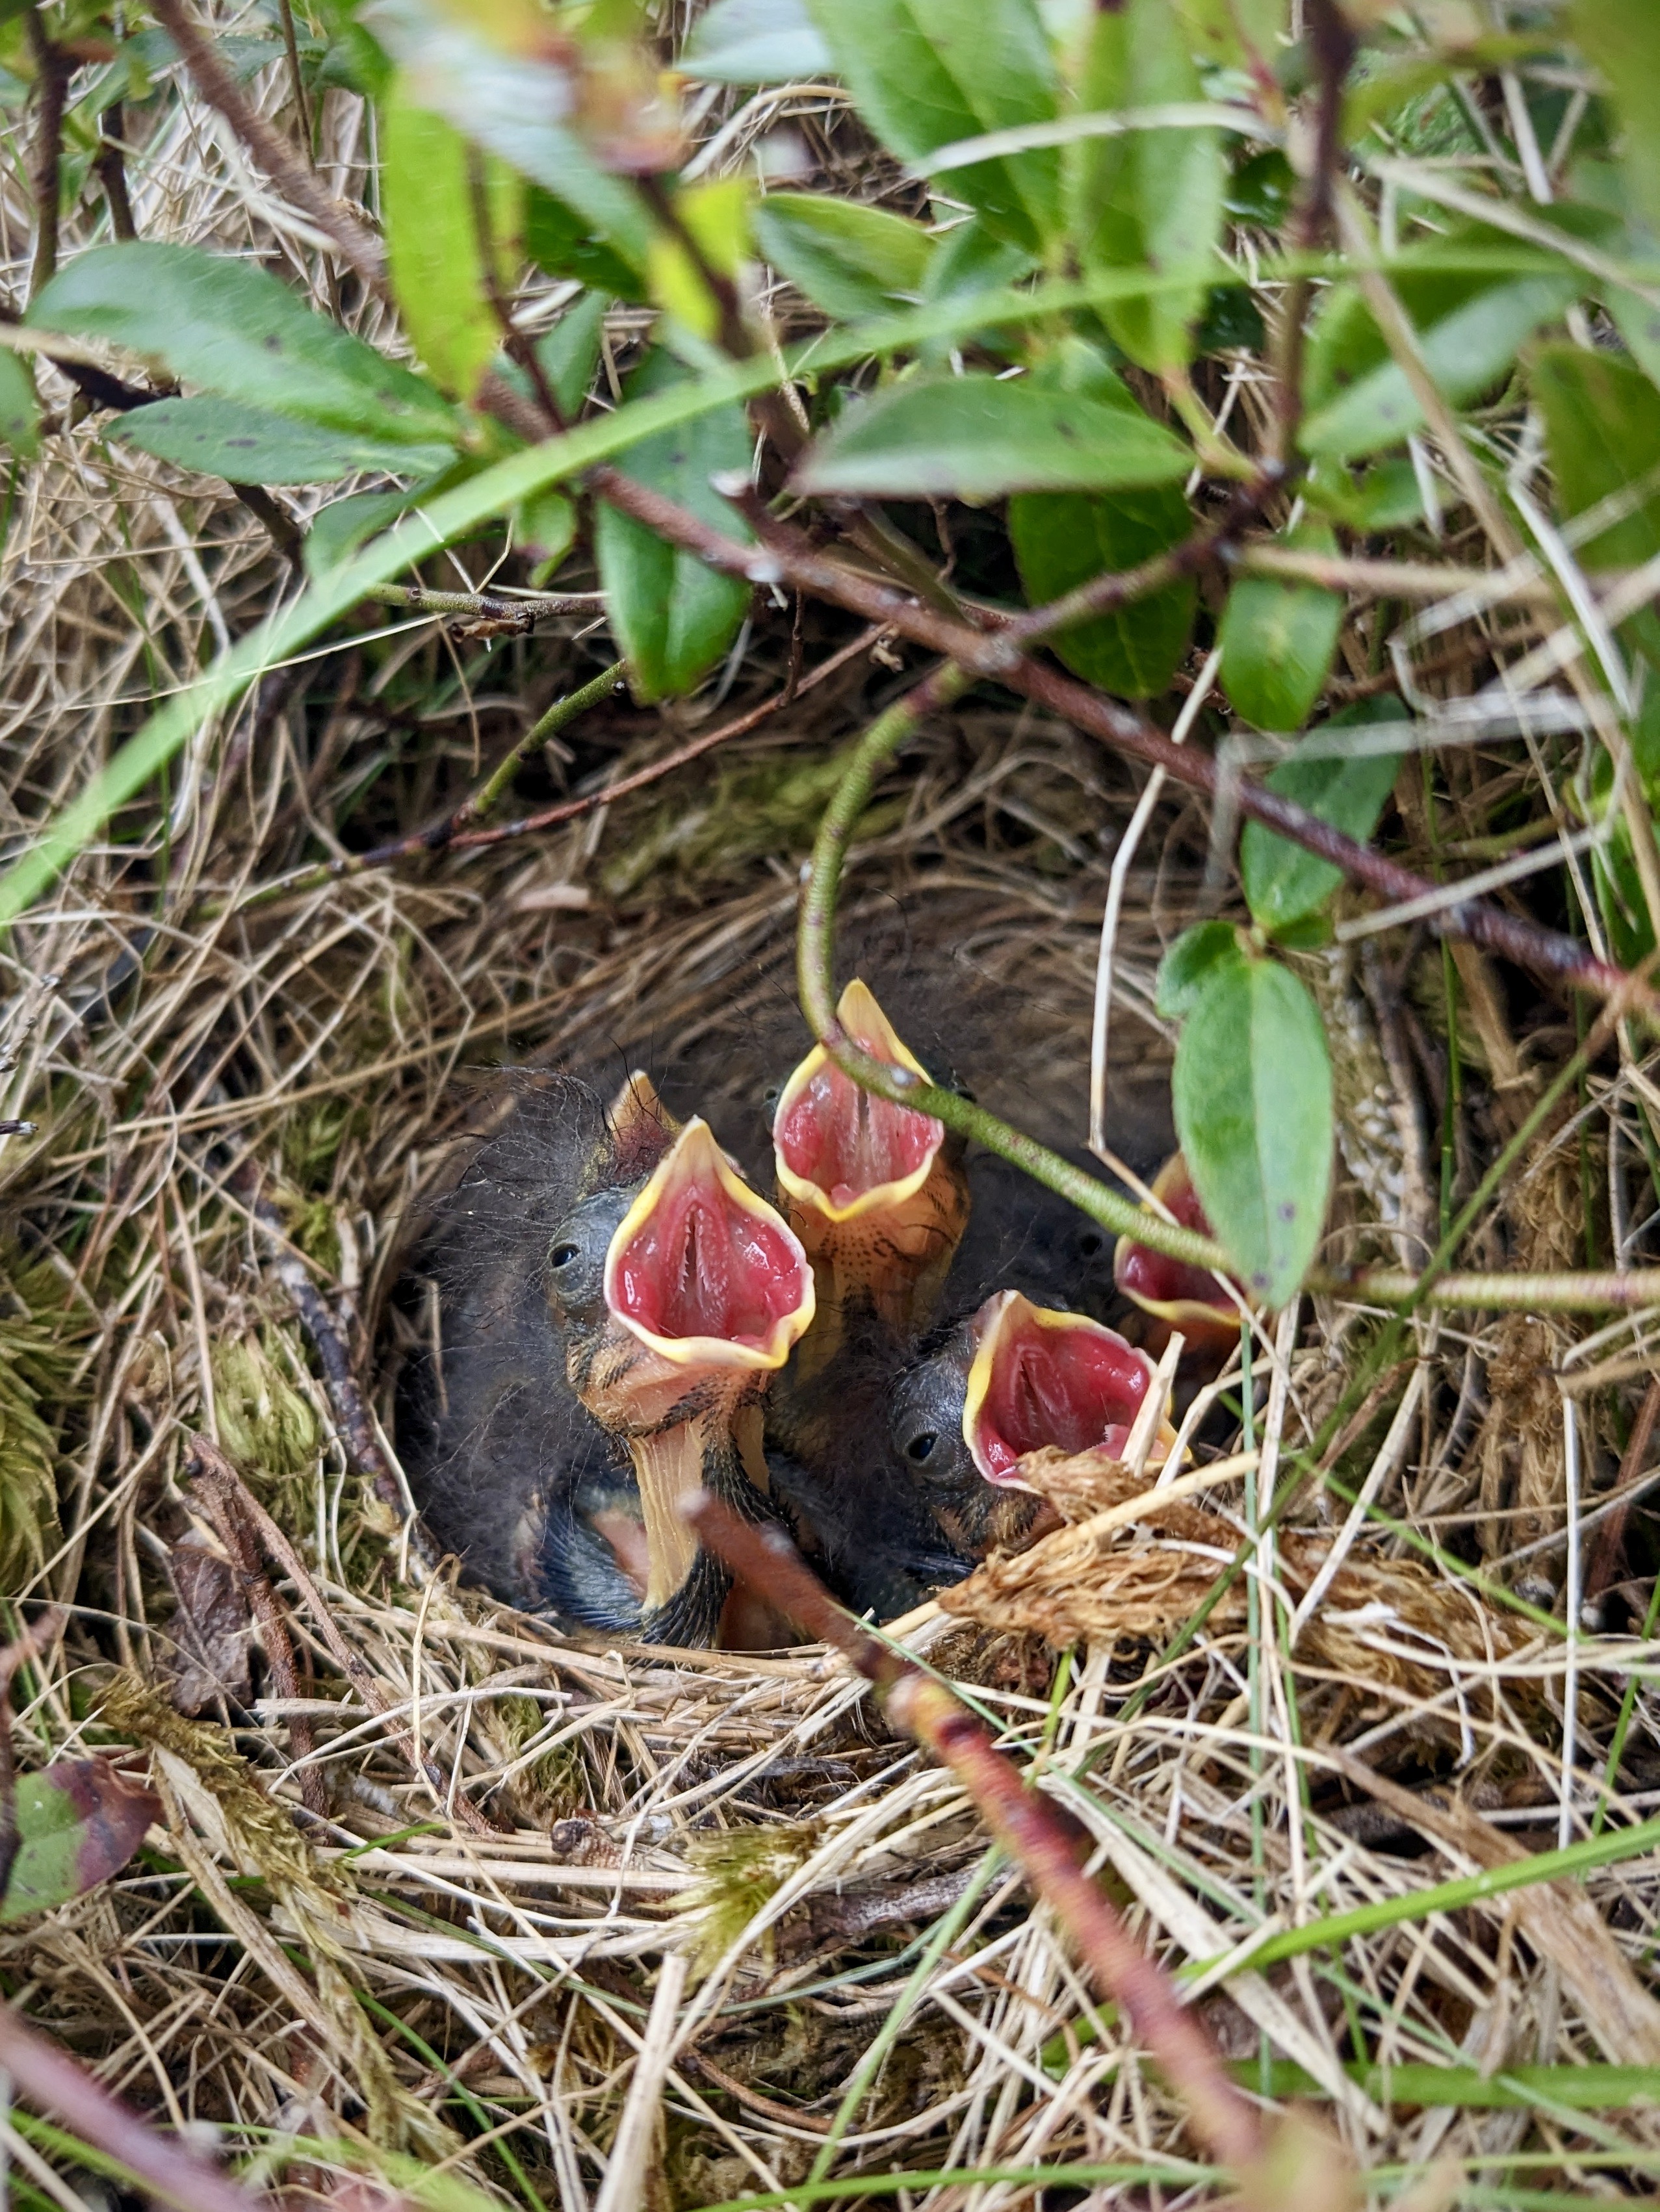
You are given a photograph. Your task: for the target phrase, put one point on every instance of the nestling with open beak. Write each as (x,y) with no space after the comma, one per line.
(679,1297)
(1012,1379)
(877,1193)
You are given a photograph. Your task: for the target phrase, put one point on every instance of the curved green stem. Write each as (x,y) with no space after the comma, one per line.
(816,976)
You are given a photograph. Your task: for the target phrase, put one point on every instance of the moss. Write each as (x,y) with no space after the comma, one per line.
(265,1425)
(739,1871)
(39,1356)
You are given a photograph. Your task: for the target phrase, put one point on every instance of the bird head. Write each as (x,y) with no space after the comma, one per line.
(679,1294)
(1014,1378)
(875,1189)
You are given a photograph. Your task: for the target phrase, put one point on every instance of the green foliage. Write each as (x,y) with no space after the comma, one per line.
(1187,967)
(1252,1093)
(1063,539)
(78,1823)
(265,1425)
(848,260)
(436,256)
(977,436)
(1284,883)
(1601,420)
(1278,640)
(39,1334)
(1623,40)
(1145,198)
(233,331)
(256,445)
(755,42)
(1469,330)
(19,409)
(672,616)
(926,73)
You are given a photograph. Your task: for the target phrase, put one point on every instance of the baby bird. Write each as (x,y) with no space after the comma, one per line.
(615,1298)
(678,1296)
(1011,1378)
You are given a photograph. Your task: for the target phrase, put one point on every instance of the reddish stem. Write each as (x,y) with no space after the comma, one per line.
(1031,1828)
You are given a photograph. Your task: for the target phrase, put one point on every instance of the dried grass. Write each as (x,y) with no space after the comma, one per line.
(387,1978)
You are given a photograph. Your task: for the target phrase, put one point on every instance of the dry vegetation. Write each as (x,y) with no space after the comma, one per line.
(442,1885)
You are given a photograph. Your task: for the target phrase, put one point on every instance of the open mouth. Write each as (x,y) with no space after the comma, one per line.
(840,1150)
(1189,1298)
(1042,1378)
(702,1270)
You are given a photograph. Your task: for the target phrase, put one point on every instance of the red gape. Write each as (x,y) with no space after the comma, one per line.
(1185,1297)
(701,1262)
(1042,1378)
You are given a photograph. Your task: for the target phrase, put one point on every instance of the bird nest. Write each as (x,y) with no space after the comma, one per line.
(435,1887)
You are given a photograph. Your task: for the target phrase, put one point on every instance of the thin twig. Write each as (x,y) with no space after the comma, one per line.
(458,837)
(1030,1826)
(292,176)
(222,1502)
(789,558)
(53,69)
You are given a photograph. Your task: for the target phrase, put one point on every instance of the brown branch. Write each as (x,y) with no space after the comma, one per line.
(1030,1826)
(357,244)
(110,168)
(356,1428)
(514,616)
(222,1502)
(789,558)
(54,69)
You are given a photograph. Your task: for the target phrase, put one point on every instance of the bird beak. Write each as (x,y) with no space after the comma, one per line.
(703,1271)
(880,1205)
(706,1289)
(1183,1297)
(1041,1377)
(642,1127)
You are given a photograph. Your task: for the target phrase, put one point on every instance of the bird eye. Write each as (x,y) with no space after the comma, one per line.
(562,1254)
(1092,1243)
(922,1448)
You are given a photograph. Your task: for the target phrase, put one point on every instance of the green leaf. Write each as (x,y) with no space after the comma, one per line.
(1232,33)
(1386,496)
(546,526)
(673,617)
(78,1823)
(1469,329)
(565,244)
(848,260)
(926,73)
(1601,420)
(338,530)
(570,354)
(1278,640)
(237,333)
(977,437)
(433,248)
(1253,1100)
(251,444)
(755,42)
(509,101)
(1146,199)
(1283,882)
(1186,968)
(967,260)
(20,409)
(1062,539)
(1622,38)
